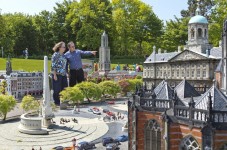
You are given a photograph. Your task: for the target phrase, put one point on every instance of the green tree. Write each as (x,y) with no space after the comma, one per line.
(218,17)
(135,25)
(176,34)
(110,88)
(205,7)
(90,90)
(7,103)
(45,35)
(29,103)
(88,20)
(73,94)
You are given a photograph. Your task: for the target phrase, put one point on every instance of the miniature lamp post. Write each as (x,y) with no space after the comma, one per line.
(74,143)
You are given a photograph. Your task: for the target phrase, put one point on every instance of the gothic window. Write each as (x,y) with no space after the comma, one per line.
(189,143)
(207,137)
(224,147)
(192,33)
(152,135)
(200,33)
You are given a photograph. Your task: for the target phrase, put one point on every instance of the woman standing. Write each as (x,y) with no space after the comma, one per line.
(58,68)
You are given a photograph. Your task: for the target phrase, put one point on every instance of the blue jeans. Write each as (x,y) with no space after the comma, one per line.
(58,86)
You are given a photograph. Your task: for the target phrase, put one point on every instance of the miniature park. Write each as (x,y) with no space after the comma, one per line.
(143,84)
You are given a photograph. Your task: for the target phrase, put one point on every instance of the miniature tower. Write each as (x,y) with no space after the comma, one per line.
(8,67)
(224,57)
(104,54)
(46,109)
(198,33)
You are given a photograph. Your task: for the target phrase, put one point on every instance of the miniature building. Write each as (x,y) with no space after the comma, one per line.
(180,118)
(197,62)
(22,83)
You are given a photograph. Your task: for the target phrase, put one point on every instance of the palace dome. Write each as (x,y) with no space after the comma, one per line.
(198,19)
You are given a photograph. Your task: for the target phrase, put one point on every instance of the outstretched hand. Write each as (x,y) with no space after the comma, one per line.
(94,52)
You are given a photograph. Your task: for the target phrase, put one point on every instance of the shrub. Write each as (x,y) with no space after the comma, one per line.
(73,94)
(109,87)
(133,83)
(139,77)
(125,85)
(90,90)
(29,103)
(7,103)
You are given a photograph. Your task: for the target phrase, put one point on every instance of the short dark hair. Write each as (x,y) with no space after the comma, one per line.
(57,46)
(71,42)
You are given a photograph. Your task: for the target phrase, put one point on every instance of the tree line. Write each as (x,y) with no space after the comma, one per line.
(132,26)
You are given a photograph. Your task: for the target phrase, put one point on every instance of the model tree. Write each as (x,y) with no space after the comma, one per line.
(3,87)
(73,94)
(125,85)
(7,103)
(29,103)
(110,88)
(133,83)
(90,90)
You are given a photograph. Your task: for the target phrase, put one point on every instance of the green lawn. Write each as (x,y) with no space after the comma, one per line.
(37,65)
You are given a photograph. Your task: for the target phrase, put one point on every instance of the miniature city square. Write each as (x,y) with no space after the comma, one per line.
(174,99)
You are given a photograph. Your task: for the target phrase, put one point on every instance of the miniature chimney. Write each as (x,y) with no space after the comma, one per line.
(179,49)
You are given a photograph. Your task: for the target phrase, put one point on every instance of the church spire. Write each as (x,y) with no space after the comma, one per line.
(197,12)
(104,40)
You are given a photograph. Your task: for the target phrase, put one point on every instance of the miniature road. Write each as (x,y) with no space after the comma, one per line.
(91,127)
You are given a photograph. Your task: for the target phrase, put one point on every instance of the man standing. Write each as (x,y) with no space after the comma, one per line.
(73,56)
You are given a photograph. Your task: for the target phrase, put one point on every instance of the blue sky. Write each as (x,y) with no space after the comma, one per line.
(165,9)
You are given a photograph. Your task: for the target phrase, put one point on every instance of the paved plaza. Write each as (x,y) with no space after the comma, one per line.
(90,127)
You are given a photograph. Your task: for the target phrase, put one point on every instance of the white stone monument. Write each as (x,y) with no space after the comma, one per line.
(38,123)
(46,108)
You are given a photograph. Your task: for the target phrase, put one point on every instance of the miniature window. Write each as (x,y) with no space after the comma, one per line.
(152,136)
(189,143)
(204,73)
(192,33)
(205,33)
(200,33)
(198,72)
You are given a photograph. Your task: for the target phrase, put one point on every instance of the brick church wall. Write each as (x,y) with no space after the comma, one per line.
(220,138)
(142,118)
(177,132)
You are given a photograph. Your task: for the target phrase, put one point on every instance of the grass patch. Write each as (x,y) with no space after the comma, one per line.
(31,65)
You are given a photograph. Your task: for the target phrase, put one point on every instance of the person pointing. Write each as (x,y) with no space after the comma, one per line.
(74,63)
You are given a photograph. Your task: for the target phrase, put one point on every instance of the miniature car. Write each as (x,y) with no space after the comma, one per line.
(58,148)
(107,140)
(110,113)
(112,146)
(105,110)
(111,102)
(96,111)
(85,145)
(122,138)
